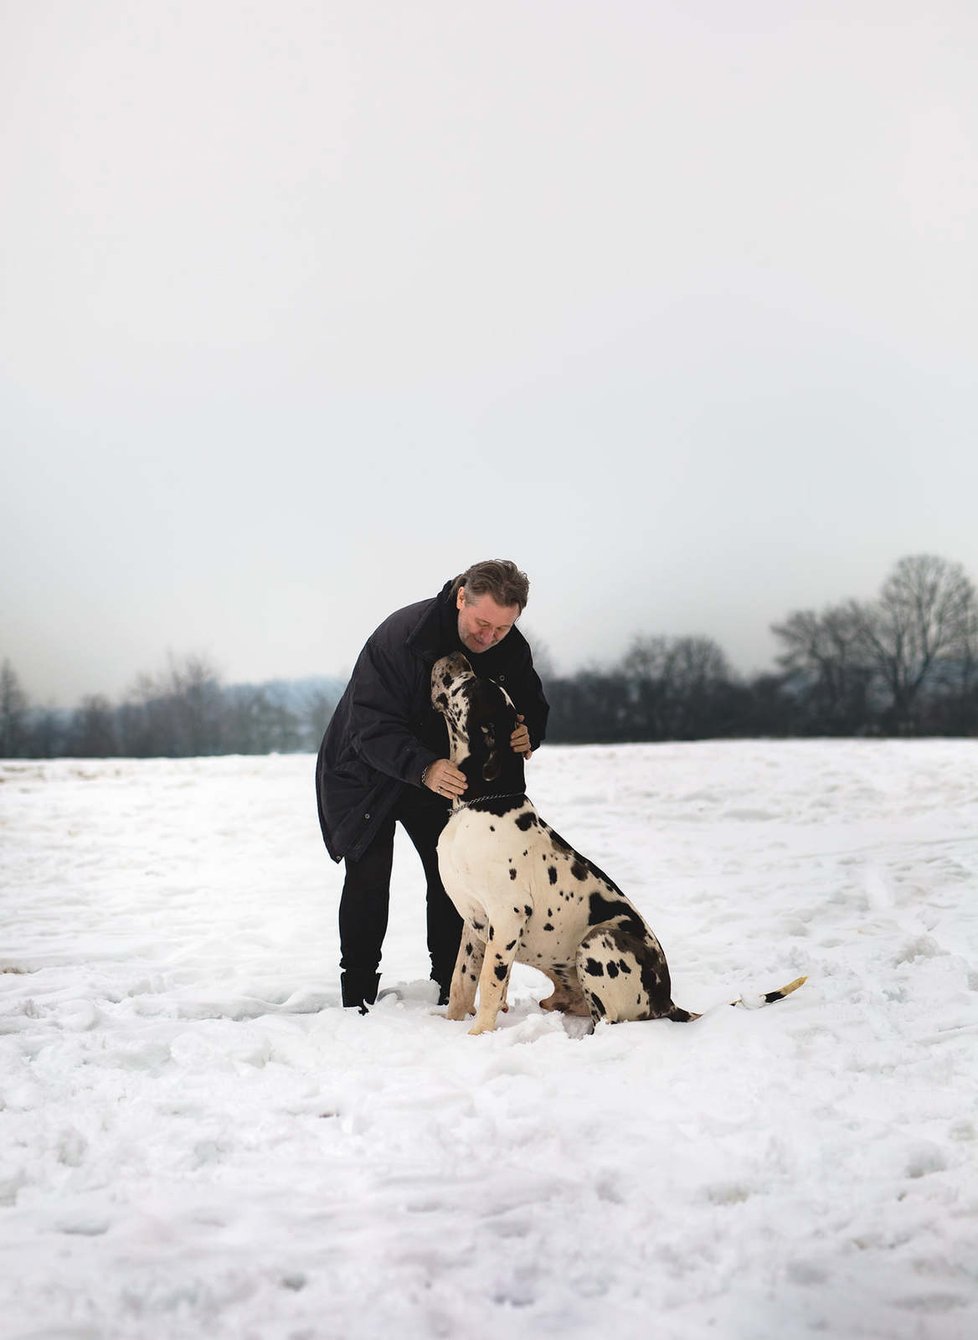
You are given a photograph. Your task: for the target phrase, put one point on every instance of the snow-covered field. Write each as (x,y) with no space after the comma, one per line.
(196,1141)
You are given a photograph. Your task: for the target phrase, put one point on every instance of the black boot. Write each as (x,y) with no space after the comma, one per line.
(359,989)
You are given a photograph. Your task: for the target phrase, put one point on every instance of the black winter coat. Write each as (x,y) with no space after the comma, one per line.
(384,731)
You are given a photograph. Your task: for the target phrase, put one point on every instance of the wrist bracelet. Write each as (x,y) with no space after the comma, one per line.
(424,774)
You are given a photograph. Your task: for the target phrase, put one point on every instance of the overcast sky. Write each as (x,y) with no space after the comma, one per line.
(305,305)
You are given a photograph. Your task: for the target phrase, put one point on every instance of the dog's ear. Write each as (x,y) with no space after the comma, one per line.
(492,766)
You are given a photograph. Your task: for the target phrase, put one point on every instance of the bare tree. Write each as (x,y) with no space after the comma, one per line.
(590,707)
(825,656)
(676,687)
(47,732)
(256,722)
(645,670)
(178,713)
(315,715)
(92,733)
(198,707)
(921,632)
(14,709)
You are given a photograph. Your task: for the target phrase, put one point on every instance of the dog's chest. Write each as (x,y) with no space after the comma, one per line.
(491,867)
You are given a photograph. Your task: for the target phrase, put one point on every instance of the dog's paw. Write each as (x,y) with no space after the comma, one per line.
(482,1026)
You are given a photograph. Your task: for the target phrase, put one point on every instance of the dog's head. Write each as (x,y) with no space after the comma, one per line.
(480,716)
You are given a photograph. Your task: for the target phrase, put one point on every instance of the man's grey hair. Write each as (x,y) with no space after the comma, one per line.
(496,577)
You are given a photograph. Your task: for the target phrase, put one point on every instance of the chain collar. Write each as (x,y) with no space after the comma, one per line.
(501,795)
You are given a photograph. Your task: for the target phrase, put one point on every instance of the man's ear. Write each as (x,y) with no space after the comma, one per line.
(492,766)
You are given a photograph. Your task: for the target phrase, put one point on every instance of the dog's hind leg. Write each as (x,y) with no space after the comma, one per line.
(567,996)
(471,951)
(625,977)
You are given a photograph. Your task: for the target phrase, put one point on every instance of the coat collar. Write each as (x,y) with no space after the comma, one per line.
(437,630)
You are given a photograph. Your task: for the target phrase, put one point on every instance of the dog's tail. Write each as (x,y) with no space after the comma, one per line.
(680,1016)
(768,998)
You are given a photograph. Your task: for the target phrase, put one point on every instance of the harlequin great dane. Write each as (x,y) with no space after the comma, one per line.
(524,894)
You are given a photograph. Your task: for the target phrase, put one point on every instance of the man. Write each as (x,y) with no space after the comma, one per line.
(384,758)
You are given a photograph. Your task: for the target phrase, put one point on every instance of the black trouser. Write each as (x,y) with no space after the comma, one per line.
(366,891)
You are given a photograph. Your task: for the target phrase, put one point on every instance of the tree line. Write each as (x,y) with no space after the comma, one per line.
(904,663)
(184,711)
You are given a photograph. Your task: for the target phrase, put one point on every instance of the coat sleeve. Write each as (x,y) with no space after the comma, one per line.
(527,694)
(380,720)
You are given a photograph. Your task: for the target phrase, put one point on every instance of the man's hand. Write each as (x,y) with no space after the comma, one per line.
(445,779)
(520,739)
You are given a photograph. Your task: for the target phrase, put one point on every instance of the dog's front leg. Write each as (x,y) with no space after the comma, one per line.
(471,951)
(504,936)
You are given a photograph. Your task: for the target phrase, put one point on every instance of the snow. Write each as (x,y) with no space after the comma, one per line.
(196,1141)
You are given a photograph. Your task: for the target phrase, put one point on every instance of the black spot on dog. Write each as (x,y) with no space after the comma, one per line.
(512,872)
(579,870)
(511,946)
(612,970)
(479,926)
(593,968)
(548,927)
(623,966)
(525,821)
(597,1008)
(528,911)
(552,872)
(500,971)
(646,956)
(614,909)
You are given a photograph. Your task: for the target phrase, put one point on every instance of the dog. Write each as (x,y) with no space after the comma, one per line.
(524,894)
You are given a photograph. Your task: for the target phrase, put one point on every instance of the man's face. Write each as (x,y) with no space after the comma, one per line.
(483,623)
